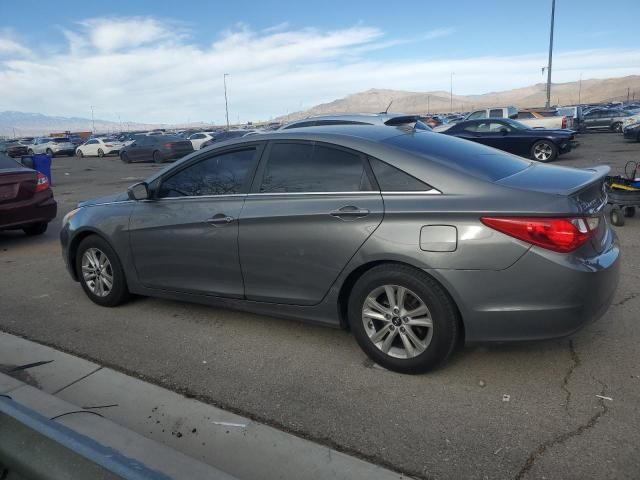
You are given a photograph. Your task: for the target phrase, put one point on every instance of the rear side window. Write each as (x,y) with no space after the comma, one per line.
(308,167)
(496,113)
(223,174)
(523,115)
(467,157)
(392,179)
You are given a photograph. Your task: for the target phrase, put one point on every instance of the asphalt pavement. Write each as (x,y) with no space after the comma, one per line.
(568,408)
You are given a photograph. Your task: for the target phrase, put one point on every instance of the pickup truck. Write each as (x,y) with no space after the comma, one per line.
(531,118)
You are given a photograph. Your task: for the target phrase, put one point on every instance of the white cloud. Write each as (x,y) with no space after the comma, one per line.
(152,71)
(9,47)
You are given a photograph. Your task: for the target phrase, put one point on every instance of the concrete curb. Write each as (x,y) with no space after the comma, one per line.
(229,442)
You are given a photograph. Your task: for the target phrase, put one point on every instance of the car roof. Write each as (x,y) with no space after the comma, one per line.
(370,118)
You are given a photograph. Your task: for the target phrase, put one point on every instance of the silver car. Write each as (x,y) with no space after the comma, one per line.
(52,146)
(414,241)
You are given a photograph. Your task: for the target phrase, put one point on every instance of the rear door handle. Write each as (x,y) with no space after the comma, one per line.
(220,219)
(349,212)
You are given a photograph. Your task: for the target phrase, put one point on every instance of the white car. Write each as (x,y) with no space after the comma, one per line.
(197,139)
(99,147)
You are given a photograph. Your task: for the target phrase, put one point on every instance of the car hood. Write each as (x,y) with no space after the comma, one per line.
(115,197)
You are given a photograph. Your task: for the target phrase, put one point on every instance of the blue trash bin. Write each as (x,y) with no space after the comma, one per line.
(42,163)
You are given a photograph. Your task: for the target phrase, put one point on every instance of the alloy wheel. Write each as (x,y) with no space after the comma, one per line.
(542,152)
(397,321)
(97,272)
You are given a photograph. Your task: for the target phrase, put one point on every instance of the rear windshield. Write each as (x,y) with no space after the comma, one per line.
(7,162)
(60,140)
(465,156)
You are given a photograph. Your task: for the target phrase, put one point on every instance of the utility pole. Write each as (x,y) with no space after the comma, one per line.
(120,122)
(580,90)
(451,92)
(226,103)
(628,92)
(428,104)
(93,122)
(553,12)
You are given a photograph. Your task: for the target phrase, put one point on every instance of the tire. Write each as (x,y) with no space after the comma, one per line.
(79,153)
(36,229)
(436,342)
(616,127)
(30,152)
(50,152)
(100,153)
(629,211)
(544,151)
(616,216)
(156,157)
(98,292)
(125,158)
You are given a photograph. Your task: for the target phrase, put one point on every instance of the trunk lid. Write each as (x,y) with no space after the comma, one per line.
(16,184)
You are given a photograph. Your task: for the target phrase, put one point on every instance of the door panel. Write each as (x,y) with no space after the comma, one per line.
(293,246)
(179,245)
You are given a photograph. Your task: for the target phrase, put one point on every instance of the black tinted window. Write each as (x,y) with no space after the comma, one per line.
(220,175)
(392,179)
(468,157)
(298,167)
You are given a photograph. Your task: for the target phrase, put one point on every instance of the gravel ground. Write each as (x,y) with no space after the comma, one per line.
(573,408)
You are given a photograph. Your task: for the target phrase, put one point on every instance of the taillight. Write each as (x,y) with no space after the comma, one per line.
(558,234)
(108,146)
(42,182)
(564,122)
(168,145)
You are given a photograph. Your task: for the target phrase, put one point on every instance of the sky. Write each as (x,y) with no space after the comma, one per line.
(163,62)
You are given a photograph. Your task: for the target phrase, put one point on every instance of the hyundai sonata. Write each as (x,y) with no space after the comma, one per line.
(413,240)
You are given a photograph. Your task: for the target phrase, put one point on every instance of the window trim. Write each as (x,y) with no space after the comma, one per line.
(259,174)
(244,189)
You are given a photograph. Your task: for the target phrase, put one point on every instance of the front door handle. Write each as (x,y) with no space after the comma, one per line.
(349,212)
(220,219)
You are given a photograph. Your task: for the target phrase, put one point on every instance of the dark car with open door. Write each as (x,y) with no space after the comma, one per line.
(26,199)
(156,148)
(514,137)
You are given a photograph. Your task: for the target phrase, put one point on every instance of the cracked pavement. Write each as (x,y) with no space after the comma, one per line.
(315,382)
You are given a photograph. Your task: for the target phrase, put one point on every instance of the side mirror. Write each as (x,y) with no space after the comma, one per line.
(138,191)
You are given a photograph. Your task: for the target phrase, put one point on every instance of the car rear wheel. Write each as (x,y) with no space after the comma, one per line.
(629,211)
(36,229)
(100,153)
(616,216)
(30,152)
(100,272)
(49,152)
(544,151)
(616,127)
(125,158)
(156,157)
(403,319)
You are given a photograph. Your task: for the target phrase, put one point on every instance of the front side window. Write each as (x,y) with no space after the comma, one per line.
(223,174)
(305,167)
(392,179)
(476,115)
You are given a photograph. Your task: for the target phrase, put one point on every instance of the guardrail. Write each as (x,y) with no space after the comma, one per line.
(34,447)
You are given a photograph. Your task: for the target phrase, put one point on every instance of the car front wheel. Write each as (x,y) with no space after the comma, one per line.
(403,319)
(79,153)
(544,151)
(100,272)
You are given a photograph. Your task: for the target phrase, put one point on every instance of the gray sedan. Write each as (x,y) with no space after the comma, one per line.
(414,241)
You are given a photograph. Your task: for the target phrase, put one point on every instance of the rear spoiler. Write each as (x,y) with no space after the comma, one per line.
(406,120)
(600,171)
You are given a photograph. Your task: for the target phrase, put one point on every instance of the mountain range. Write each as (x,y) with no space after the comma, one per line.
(374,100)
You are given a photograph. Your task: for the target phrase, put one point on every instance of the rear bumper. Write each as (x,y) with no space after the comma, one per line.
(41,208)
(67,151)
(543,295)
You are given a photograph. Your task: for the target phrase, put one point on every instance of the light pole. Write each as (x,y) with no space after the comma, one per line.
(226,102)
(451,93)
(93,123)
(120,122)
(428,104)
(553,12)
(580,90)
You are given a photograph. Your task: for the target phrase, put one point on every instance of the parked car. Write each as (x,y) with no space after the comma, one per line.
(52,146)
(494,112)
(630,120)
(412,239)
(632,132)
(389,119)
(13,148)
(544,119)
(156,148)
(197,139)
(514,137)
(99,147)
(222,136)
(26,200)
(605,118)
